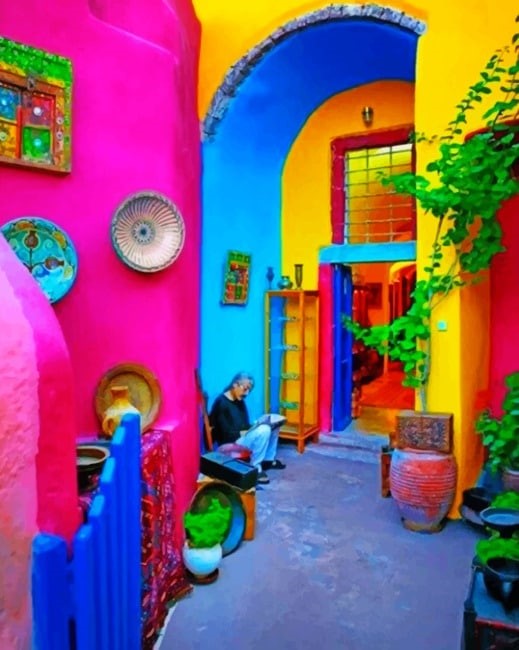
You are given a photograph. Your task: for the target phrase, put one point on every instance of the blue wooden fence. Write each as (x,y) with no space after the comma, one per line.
(91,600)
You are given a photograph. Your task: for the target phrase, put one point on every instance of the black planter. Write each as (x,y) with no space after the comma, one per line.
(477,498)
(501,577)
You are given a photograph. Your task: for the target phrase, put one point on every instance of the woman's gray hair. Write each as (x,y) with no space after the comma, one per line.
(240,378)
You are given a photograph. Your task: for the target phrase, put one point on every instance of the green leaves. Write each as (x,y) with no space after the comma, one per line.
(466,185)
(208,528)
(496,546)
(500,437)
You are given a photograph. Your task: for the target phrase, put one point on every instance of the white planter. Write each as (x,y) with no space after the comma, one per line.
(202,561)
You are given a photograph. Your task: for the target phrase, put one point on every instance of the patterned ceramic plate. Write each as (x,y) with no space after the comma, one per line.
(144,390)
(46,251)
(148,232)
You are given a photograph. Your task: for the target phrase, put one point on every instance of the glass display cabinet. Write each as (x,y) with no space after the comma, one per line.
(292,362)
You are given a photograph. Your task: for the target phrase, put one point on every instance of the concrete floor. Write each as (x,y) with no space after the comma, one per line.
(331,568)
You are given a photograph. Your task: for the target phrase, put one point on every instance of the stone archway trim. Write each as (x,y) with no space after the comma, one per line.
(333,13)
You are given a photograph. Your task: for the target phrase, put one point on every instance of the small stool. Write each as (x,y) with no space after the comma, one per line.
(248,499)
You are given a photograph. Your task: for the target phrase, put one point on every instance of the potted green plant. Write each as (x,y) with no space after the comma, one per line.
(205,532)
(508,499)
(463,191)
(501,435)
(498,556)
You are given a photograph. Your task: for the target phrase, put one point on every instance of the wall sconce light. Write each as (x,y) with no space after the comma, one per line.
(367,115)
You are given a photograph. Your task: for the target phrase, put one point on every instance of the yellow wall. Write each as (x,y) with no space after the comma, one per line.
(460,38)
(306,224)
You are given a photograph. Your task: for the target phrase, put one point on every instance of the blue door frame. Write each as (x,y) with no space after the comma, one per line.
(342,347)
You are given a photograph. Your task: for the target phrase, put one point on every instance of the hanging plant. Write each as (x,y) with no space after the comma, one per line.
(464,190)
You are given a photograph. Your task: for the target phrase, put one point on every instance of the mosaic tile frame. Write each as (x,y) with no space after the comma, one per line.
(35,107)
(236,278)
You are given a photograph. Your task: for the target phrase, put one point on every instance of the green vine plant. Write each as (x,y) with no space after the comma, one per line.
(464,189)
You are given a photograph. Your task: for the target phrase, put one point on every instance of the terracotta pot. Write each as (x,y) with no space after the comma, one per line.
(120,406)
(511,479)
(423,485)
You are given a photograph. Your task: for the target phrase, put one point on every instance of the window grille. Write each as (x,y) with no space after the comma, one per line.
(375,213)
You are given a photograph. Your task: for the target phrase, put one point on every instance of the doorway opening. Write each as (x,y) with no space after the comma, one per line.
(381,293)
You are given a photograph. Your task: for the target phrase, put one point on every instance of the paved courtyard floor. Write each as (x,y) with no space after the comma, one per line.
(331,568)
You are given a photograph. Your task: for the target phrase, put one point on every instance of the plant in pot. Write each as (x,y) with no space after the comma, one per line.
(205,532)
(498,556)
(501,436)
(463,191)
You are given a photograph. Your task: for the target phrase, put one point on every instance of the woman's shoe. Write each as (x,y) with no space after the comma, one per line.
(272,464)
(262,479)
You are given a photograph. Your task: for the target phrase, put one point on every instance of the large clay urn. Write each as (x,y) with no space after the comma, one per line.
(120,405)
(423,484)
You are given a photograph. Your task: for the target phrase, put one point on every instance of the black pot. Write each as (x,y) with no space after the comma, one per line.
(501,577)
(89,463)
(477,499)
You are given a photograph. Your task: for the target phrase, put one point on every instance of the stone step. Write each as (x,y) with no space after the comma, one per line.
(352,439)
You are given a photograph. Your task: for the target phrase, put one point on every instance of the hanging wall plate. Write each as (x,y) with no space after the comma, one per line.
(46,251)
(148,232)
(144,389)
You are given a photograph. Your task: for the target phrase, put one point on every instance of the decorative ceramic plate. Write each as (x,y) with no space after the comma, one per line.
(46,251)
(144,390)
(148,232)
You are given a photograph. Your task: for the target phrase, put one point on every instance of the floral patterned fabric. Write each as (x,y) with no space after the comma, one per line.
(163,573)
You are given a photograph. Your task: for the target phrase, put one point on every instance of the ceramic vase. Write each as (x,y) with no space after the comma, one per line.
(270,276)
(120,405)
(423,485)
(285,282)
(298,275)
(202,561)
(511,479)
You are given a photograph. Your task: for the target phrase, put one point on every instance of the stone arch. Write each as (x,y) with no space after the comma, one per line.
(334,13)
(274,89)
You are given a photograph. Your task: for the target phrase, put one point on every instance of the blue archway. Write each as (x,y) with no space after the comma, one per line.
(243,157)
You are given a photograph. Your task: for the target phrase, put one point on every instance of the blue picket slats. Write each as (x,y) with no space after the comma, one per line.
(98,590)
(50,593)
(84,589)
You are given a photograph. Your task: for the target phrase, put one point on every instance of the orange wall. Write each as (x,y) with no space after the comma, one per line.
(376,273)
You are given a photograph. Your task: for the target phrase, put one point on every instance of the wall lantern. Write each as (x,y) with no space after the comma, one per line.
(367,115)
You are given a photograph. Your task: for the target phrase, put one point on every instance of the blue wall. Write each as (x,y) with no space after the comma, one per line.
(242,169)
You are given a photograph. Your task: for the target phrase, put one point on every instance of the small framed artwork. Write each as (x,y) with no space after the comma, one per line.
(35,107)
(236,279)
(374,294)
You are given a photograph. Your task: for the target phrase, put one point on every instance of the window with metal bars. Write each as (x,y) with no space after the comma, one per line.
(374,212)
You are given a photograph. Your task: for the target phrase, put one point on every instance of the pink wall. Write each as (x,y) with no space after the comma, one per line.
(325,346)
(135,127)
(19,399)
(504,354)
(54,407)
